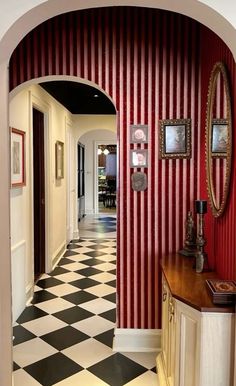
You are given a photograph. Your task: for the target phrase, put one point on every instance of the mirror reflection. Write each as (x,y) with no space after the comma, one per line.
(218,139)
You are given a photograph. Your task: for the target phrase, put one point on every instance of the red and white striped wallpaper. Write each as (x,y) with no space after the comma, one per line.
(149,62)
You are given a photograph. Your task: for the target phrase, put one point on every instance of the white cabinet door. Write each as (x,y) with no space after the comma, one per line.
(188,333)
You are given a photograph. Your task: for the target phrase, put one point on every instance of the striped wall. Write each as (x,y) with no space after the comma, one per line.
(148,61)
(220,232)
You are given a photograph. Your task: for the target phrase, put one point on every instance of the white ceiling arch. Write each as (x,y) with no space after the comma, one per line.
(17,21)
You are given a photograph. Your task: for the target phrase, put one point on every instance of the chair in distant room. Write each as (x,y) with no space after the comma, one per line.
(110,197)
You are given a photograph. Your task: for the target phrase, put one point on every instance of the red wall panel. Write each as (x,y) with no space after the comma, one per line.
(149,62)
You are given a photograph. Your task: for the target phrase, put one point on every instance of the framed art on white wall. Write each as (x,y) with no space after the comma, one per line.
(17,157)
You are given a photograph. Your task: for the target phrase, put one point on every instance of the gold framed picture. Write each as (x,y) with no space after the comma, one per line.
(175,138)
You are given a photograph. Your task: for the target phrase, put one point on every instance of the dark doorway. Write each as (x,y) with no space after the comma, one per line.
(39,193)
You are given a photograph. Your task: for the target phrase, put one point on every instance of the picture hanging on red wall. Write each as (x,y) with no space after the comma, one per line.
(175,138)
(139,134)
(17,158)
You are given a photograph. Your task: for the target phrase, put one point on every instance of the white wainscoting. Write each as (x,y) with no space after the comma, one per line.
(137,340)
(18,279)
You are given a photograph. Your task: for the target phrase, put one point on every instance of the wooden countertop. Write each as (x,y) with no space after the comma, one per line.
(188,286)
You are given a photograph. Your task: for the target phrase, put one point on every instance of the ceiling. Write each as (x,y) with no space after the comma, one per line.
(79,98)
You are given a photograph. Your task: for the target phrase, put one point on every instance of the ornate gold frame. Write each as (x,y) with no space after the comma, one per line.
(217,210)
(164,124)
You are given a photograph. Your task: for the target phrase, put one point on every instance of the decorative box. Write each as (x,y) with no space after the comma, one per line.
(222,291)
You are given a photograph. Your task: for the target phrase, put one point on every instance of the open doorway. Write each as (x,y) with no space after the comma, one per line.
(39,193)
(106,178)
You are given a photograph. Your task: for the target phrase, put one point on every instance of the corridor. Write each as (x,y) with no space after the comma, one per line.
(65,336)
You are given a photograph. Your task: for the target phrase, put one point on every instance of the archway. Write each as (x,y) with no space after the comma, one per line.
(4,190)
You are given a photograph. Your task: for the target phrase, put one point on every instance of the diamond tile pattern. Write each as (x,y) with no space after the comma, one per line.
(65,336)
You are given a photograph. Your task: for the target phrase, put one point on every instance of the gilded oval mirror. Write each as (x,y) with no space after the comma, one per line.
(218,139)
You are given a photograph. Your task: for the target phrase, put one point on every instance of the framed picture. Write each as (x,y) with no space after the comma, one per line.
(175,138)
(59,160)
(17,157)
(138,158)
(139,134)
(219,138)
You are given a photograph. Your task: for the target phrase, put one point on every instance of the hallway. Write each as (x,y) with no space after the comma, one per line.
(65,336)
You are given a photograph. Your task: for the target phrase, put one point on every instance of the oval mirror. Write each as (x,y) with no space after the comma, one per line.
(218,139)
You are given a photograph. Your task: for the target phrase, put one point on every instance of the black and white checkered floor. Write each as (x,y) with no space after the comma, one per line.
(65,336)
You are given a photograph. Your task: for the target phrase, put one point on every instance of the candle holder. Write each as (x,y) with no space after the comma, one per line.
(189,248)
(201,255)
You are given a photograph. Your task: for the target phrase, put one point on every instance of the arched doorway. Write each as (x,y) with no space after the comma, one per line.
(4,191)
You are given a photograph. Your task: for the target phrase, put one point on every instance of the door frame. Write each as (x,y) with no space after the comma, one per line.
(95,184)
(45,109)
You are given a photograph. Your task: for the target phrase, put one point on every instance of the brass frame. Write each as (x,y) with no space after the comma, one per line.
(175,122)
(59,155)
(217,210)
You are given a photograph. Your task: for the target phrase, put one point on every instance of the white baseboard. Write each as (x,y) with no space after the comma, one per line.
(29,293)
(137,340)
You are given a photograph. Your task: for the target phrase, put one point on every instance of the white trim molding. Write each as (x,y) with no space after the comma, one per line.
(137,340)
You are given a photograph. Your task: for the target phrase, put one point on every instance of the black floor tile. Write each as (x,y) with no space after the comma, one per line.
(88,271)
(53,369)
(113,219)
(73,314)
(91,262)
(106,337)
(64,337)
(110,297)
(49,282)
(112,283)
(84,283)
(109,315)
(42,296)
(15,366)
(65,261)
(30,313)
(79,297)
(154,369)
(70,253)
(113,271)
(98,246)
(73,246)
(21,335)
(58,271)
(95,254)
(117,370)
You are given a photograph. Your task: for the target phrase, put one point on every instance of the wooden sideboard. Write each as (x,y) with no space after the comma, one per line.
(198,337)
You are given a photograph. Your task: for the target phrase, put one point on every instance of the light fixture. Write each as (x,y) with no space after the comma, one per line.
(103,149)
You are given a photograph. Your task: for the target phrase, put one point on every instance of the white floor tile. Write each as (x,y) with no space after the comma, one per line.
(62,289)
(108,250)
(68,277)
(82,250)
(54,305)
(147,379)
(146,359)
(36,288)
(75,266)
(103,277)
(22,378)
(94,325)
(88,352)
(107,257)
(83,378)
(97,306)
(106,266)
(44,325)
(79,258)
(31,351)
(101,290)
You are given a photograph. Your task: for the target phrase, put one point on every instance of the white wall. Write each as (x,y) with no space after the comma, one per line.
(56,124)
(88,130)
